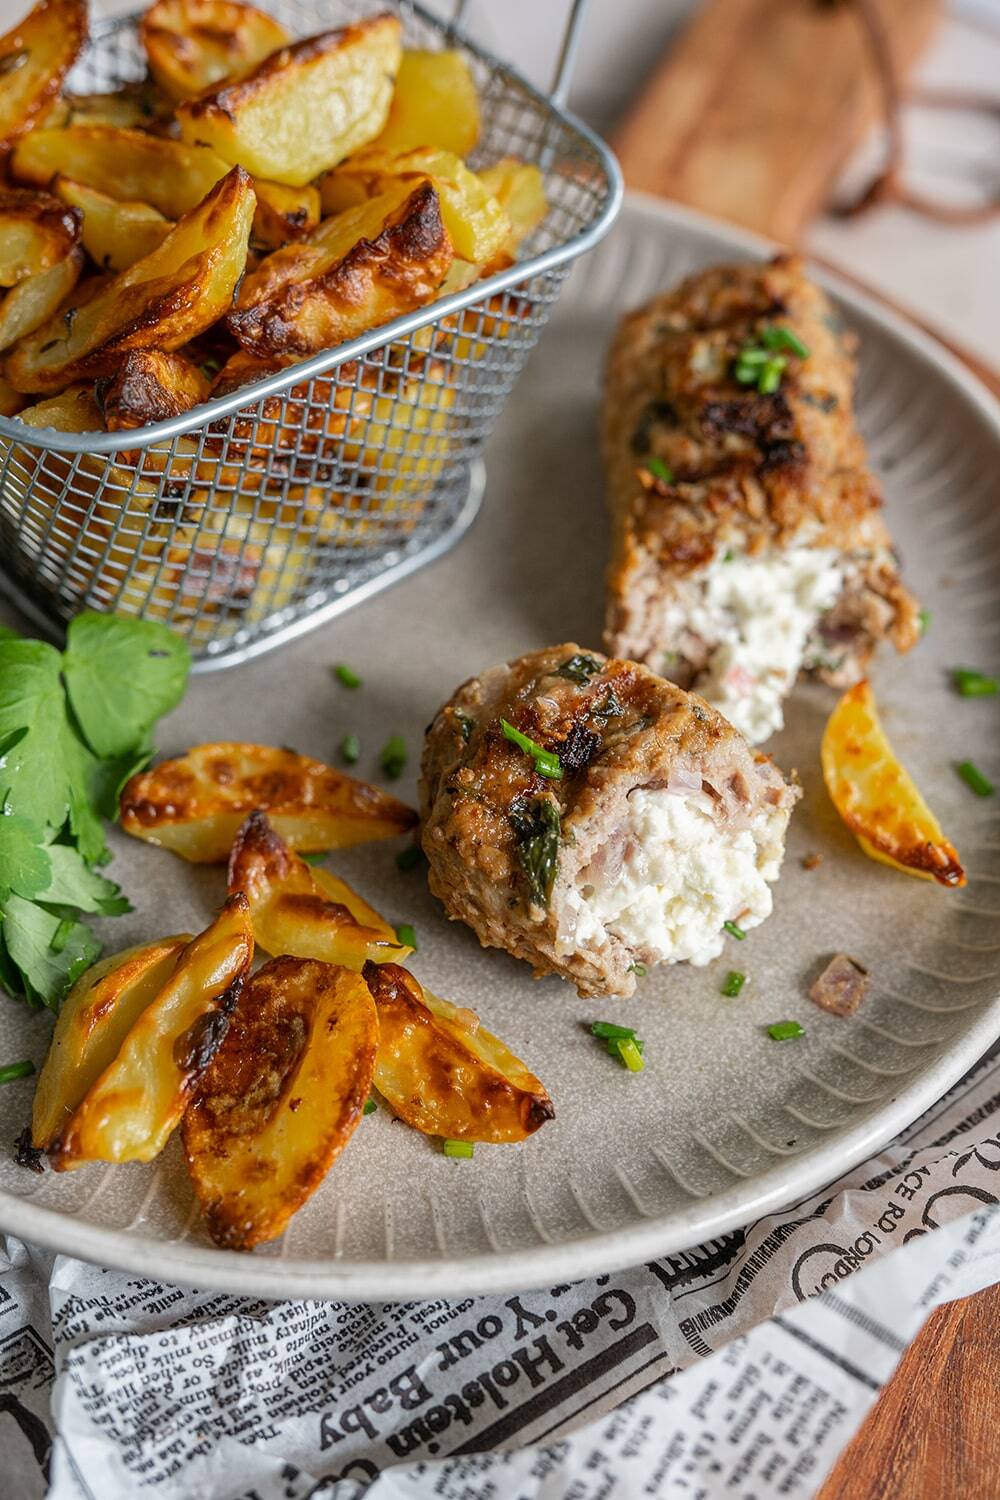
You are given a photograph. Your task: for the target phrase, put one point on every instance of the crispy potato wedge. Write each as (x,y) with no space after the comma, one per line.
(34,59)
(307,912)
(134,106)
(148,386)
(876,797)
(283,213)
(131,1109)
(375,281)
(475,221)
(305,107)
(115,234)
(434,103)
(36,232)
(35,300)
(11,401)
(161,302)
(195,804)
(192,45)
(96,1017)
(444,1073)
(126,164)
(281,1098)
(519,188)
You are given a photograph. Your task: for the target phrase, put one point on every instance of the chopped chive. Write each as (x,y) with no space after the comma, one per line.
(630,1055)
(925,617)
(770,375)
(458,1148)
(369,1107)
(407,936)
(608,1029)
(346,675)
(728,555)
(974,778)
(392,757)
(315,859)
(734,983)
(734,930)
(746,374)
(61,935)
(785,1031)
(752,356)
(660,470)
(779,337)
(408,859)
(350,749)
(972,684)
(638,969)
(615,1043)
(16,1070)
(546,761)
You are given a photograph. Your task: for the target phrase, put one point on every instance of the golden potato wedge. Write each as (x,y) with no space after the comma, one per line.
(130,1111)
(307,912)
(36,232)
(519,188)
(434,103)
(305,107)
(35,300)
(475,221)
(876,797)
(192,45)
(195,804)
(34,59)
(281,1098)
(161,301)
(134,106)
(283,213)
(444,1073)
(375,281)
(96,1017)
(115,234)
(11,401)
(148,386)
(126,164)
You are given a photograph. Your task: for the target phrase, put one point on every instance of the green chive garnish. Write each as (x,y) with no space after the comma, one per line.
(16,1070)
(734,931)
(458,1148)
(778,337)
(925,617)
(546,761)
(608,1029)
(660,470)
(315,859)
(637,969)
(972,684)
(407,936)
(369,1107)
(785,1031)
(630,1055)
(770,375)
(61,935)
(350,749)
(974,778)
(751,356)
(346,675)
(614,1044)
(393,756)
(734,983)
(408,859)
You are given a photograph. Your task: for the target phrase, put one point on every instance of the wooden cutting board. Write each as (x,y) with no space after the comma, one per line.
(758,105)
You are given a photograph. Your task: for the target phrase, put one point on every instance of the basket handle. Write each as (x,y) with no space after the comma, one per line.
(567,51)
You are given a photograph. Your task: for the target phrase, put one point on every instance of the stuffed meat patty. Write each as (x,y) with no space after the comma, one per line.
(594,819)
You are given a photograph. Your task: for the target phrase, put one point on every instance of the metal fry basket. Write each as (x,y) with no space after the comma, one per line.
(267,511)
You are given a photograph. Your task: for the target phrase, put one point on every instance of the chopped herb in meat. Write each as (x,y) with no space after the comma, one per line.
(578,668)
(608,708)
(546,761)
(538,829)
(659,470)
(465,724)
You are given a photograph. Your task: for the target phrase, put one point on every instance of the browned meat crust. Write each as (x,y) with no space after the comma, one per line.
(505,843)
(749,471)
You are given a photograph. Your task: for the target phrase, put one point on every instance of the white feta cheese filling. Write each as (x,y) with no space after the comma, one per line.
(670,877)
(758,615)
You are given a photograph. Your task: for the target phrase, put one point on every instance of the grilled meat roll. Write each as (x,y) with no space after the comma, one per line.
(748,538)
(588,816)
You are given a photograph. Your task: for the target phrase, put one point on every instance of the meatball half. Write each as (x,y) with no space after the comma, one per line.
(749,542)
(591,818)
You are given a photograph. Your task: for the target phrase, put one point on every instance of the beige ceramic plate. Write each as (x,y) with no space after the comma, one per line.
(724,1124)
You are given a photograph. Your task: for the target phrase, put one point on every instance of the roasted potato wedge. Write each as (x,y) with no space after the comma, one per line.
(36,233)
(195,804)
(160,302)
(11,401)
(876,797)
(192,45)
(519,188)
(444,1073)
(148,386)
(281,1098)
(475,221)
(305,107)
(307,912)
(434,104)
(35,300)
(34,59)
(283,213)
(115,234)
(130,1110)
(125,164)
(377,280)
(96,1017)
(134,106)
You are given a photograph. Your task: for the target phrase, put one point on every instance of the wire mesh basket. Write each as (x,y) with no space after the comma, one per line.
(264,512)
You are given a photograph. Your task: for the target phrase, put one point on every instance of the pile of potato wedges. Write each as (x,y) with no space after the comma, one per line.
(266,1073)
(254,200)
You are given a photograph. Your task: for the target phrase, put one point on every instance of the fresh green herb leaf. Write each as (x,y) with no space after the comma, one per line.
(631,1056)
(350,749)
(369,1107)
(785,1031)
(728,555)
(608,708)
(458,1148)
(734,930)
(28,932)
(779,337)
(406,935)
(972,684)
(409,858)
(392,758)
(315,858)
(121,676)
(578,668)
(925,617)
(975,780)
(346,675)
(770,375)
(62,935)
(538,833)
(638,969)
(35,735)
(546,761)
(465,723)
(24,864)
(608,1031)
(10,1071)
(733,984)
(659,470)
(73,883)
